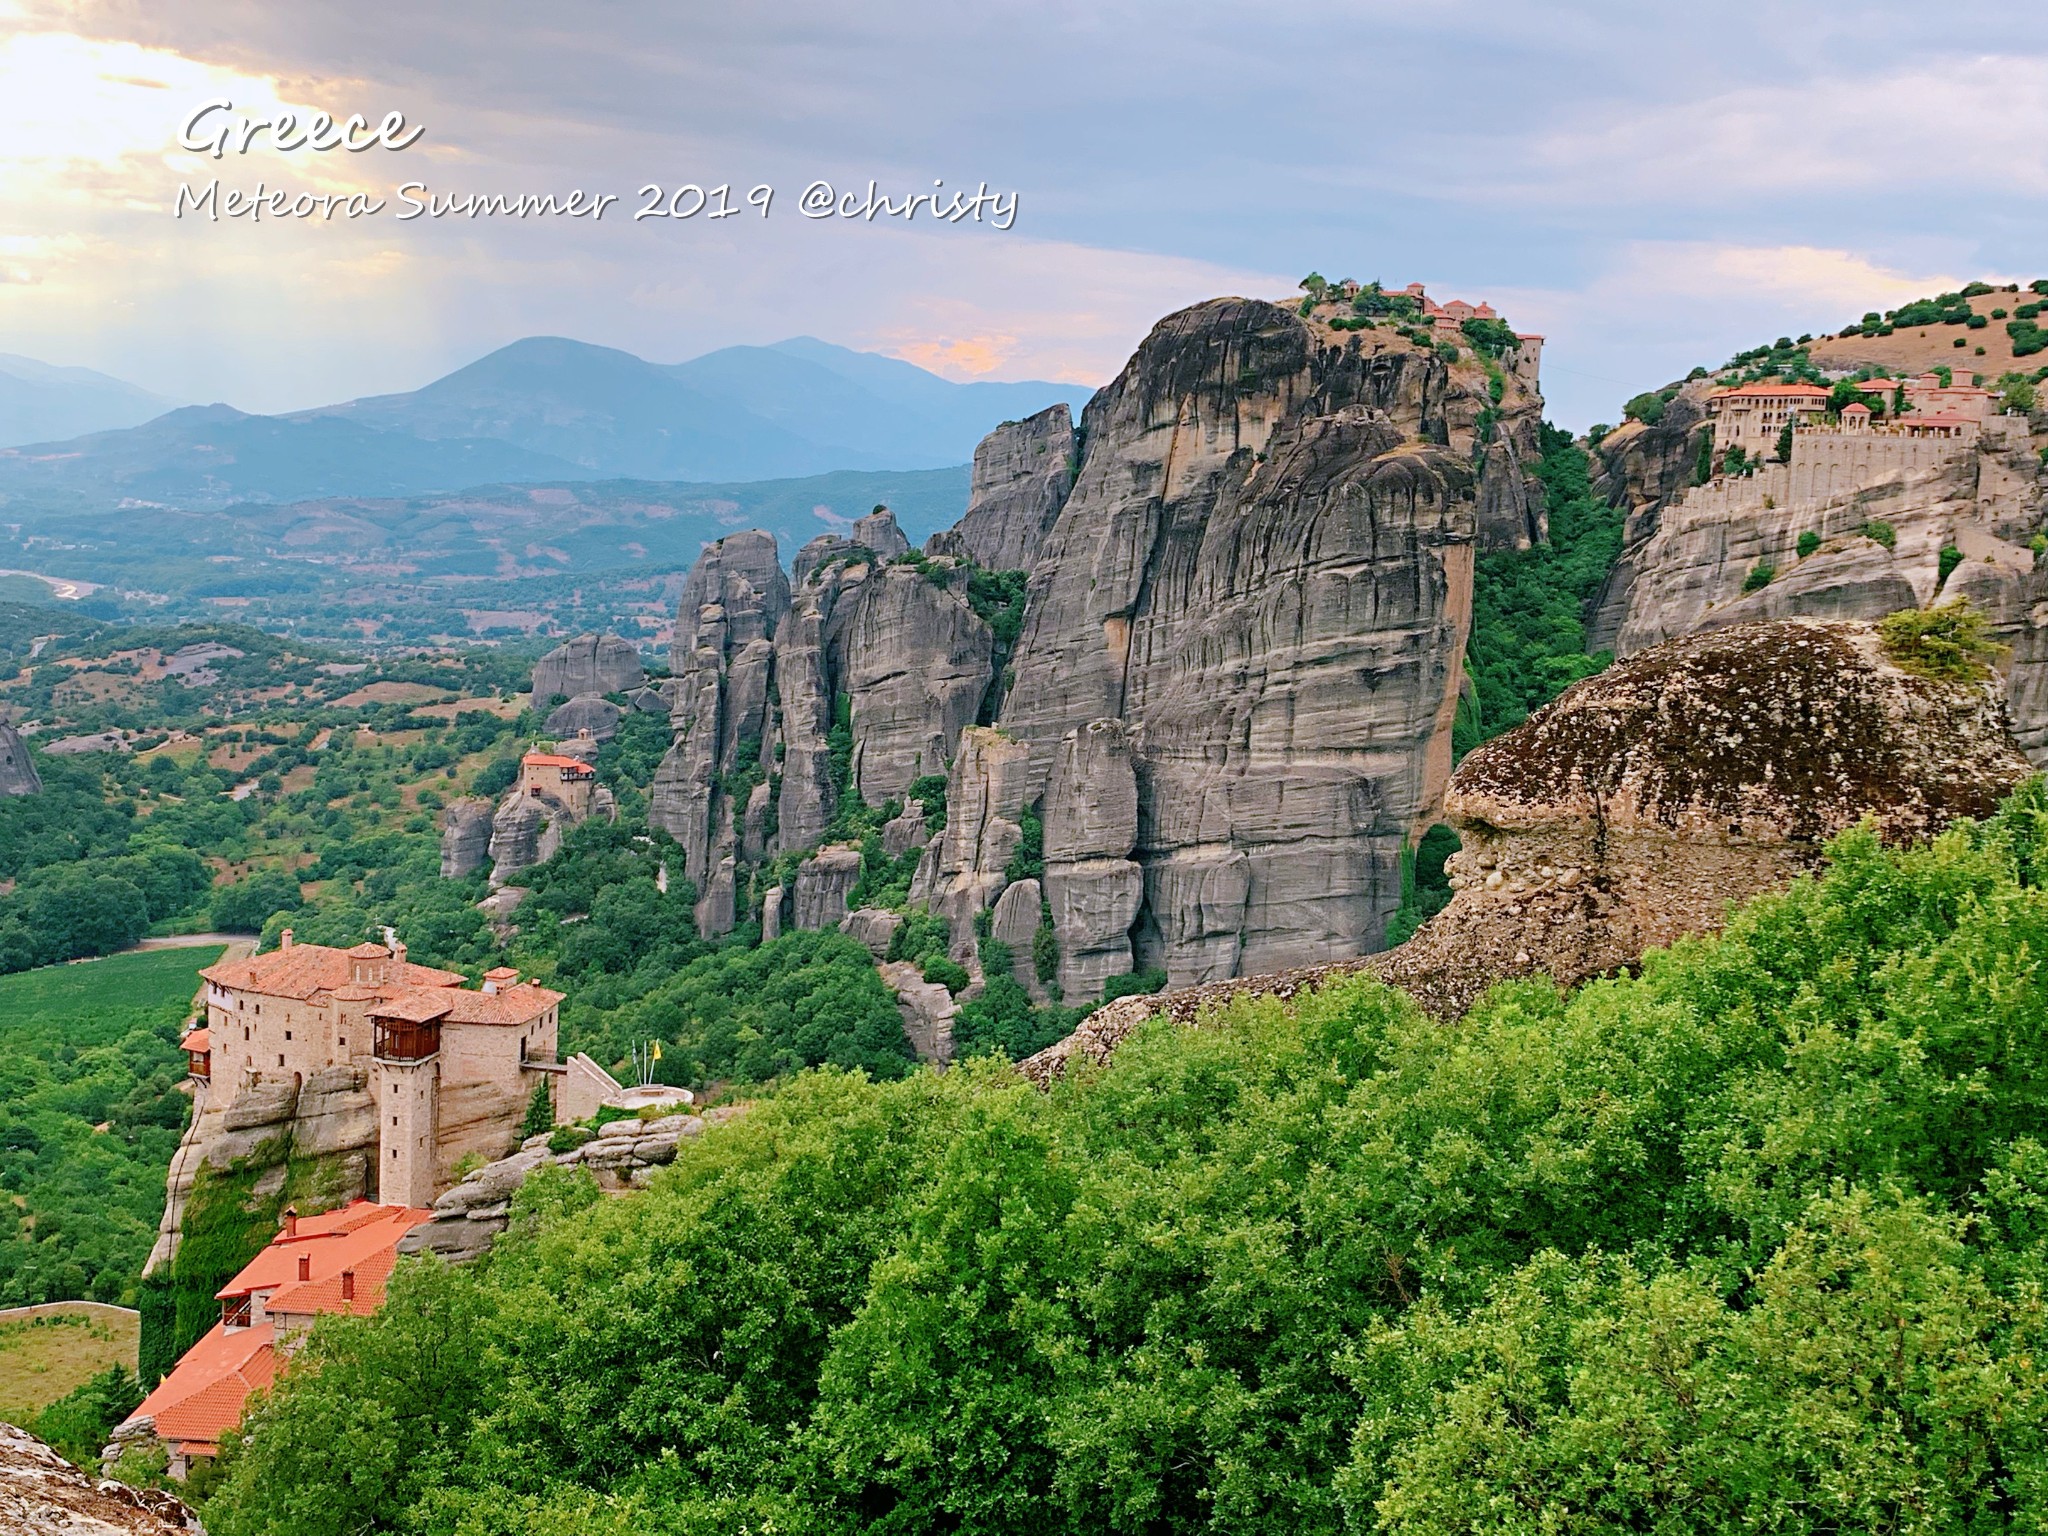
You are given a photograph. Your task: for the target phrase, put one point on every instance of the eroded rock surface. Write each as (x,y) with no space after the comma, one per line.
(1646,801)
(587,664)
(1022,473)
(465,838)
(42,1494)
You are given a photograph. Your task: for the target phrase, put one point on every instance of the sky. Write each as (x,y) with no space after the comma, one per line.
(1650,185)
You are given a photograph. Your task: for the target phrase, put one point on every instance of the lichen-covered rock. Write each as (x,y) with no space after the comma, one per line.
(42,1494)
(18,774)
(586,712)
(587,664)
(465,838)
(336,1114)
(1642,803)
(823,882)
(1022,473)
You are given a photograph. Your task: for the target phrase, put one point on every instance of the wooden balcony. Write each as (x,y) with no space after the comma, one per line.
(403,1040)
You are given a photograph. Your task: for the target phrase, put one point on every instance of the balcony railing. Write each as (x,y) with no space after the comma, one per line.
(397,1040)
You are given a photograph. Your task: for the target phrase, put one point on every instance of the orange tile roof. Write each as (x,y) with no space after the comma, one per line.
(555,760)
(1773,390)
(331,1243)
(200,1039)
(511,1005)
(415,1007)
(202,1398)
(305,969)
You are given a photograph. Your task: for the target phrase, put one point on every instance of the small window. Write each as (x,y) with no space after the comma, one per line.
(287,1034)
(280,1061)
(344,1039)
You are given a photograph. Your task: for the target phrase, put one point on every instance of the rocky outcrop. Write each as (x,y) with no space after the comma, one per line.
(465,838)
(1876,513)
(523,834)
(1015,922)
(823,883)
(872,928)
(328,1123)
(914,663)
(1640,468)
(586,712)
(732,602)
(878,532)
(1022,473)
(1643,803)
(1092,885)
(1264,570)
(927,1010)
(587,664)
(961,873)
(42,1494)
(622,1156)
(18,774)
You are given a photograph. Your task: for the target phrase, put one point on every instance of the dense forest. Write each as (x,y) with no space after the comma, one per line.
(1752,1240)
(89,1115)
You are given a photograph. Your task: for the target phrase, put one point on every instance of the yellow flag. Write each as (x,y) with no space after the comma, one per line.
(657,1050)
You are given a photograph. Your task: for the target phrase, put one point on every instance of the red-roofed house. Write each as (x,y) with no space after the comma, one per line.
(333,1263)
(450,1069)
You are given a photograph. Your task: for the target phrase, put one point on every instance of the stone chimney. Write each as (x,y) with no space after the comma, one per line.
(284,940)
(348,1285)
(305,1266)
(291,1212)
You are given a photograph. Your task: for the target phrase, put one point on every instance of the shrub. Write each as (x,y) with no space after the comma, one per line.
(949,974)
(1648,408)
(1134,984)
(1759,577)
(1809,541)
(1881,533)
(1951,557)
(1950,642)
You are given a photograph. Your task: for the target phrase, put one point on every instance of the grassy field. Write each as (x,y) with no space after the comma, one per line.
(90,1113)
(47,1351)
(76,993)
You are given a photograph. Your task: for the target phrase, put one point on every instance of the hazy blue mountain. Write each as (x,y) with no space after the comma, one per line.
(40,402)
(545,408)
(213,455)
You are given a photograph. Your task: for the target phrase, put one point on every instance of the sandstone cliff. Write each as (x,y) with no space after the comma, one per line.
(42,1494)
(588,664)
(1022,473)
(1264,572)
(1646,801)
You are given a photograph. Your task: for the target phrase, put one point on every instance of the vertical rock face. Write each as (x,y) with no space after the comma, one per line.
(1018,912)
(1264,569)
(1091,883)
(586,712)
(878,532)
(465,838)
(823,883)
(587,664)
(732,601)
(1022,473)
(961,874)
(18,774)
(916,663)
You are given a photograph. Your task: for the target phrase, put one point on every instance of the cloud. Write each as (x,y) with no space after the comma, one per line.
(1979,121)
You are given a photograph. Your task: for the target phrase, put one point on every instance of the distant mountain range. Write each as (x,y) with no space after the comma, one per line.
(43,403)
(542,409)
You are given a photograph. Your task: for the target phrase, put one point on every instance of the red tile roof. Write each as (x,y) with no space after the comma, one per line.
(410,992)
(555,760)
(203,1397)
(1777,390)
(200,1039)
(305,969)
